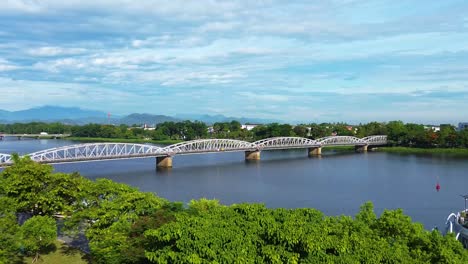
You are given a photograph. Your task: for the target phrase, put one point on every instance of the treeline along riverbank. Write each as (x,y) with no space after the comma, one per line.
(399,134)
(124,225)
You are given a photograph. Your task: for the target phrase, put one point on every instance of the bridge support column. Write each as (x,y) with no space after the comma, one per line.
(315,151)
(252,155)
(163,162)
(361,148)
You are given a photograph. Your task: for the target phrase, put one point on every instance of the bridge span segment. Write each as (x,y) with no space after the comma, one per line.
(163,155)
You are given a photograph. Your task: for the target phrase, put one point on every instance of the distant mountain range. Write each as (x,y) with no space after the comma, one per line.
(75,115)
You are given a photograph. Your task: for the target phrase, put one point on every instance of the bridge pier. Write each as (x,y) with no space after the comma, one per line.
(252,155)
(164,162)
(315,151)
(361,148)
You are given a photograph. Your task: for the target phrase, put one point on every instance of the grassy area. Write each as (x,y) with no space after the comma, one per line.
(123,140)
(439,151)
(62,254)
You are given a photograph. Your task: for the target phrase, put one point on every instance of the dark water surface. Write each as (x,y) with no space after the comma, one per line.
(336,183)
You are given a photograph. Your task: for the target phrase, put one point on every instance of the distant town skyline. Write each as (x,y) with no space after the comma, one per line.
(336,60)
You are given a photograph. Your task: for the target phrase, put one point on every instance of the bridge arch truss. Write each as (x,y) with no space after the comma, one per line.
(375,140)
(340,141)
(208,145)
(5,158)
(106,151)
(285,143)
(95,151)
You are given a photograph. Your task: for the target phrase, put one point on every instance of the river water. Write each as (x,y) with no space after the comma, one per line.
(336,183)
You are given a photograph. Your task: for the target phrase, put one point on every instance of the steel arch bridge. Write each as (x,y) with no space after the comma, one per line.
(5,158)
(208,145)
(95,151)
(285,143)
(108,151)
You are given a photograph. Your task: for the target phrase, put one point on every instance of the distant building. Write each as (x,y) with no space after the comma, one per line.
(210,130)
(146,127)
(462,126)
(432,127)
(249,126)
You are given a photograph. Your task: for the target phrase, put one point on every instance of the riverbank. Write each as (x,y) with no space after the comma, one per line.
(124,140)
(436,151)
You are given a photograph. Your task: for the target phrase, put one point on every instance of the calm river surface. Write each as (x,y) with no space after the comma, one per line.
(336,183)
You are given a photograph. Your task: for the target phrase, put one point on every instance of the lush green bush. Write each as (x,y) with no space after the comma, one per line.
(124,225)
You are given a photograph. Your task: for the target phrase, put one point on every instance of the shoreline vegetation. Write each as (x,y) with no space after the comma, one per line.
(402,138)
(388,149)
(124,140)
(124,225)
(432,151)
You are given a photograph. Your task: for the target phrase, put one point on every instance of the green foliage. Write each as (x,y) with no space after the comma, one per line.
(399,133)
(250,233)
(38,234)
(39,191)
(108,210)
(35,128)
(9,230)
(124,225)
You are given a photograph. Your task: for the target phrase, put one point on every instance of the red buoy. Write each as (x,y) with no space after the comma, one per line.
(438,187)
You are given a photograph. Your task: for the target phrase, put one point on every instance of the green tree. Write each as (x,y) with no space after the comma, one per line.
(39,191)
(38,234)
(301,131)
(9,230)
(396,132)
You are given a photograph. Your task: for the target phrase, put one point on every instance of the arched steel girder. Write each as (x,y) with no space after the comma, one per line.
(340,140)
(103,151)
(208,145)
(5,158)
(375,140)
(95,151)
(285,142)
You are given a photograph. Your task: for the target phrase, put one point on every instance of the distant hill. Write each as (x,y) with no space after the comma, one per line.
(146,119)
(49,113)
(210,119)
(75,115)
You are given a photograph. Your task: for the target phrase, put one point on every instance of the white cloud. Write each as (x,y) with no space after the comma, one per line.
(5,65)
(179,8)
(55,51)
(219,26)
(24,94)
(264,97)
(60,65)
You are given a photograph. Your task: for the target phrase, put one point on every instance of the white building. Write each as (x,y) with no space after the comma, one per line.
(249,126)
(433,128)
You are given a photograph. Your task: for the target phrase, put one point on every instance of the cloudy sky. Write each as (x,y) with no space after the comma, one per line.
(315,60)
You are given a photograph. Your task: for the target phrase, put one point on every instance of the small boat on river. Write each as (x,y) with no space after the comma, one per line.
(458,223)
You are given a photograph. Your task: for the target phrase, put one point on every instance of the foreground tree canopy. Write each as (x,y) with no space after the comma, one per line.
(124,225)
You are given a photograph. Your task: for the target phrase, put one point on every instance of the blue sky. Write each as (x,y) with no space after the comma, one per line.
(314,61)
